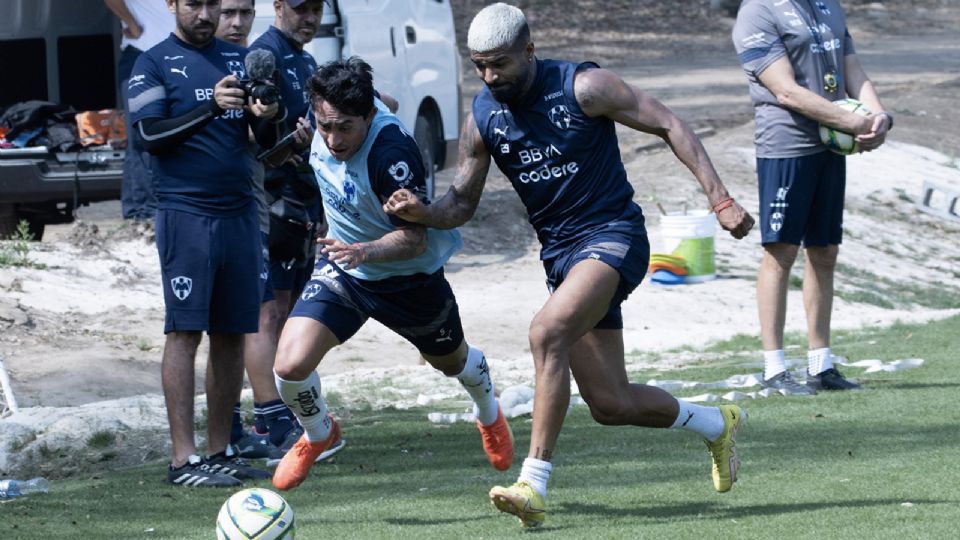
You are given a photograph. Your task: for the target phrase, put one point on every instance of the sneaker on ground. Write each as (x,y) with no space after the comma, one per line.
(522,501)
(228,463)
(723,451)
(831,379)
(252,445)
(292,437)
(195,473)
(784,383)
(295,466)
(497,442)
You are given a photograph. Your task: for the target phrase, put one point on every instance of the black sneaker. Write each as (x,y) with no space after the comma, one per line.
(252,445)
(227,463)
(783,382)
(831,379)
(195,473)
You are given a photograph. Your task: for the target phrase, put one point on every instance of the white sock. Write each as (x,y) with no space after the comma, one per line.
(706,421)
(774,363)
(305,400)
(475,379)
(819,360)
(536,472)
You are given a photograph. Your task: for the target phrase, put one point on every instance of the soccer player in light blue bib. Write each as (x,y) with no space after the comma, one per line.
(372,265)
(550,128)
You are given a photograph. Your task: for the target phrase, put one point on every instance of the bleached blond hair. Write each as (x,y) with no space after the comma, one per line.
(497,26)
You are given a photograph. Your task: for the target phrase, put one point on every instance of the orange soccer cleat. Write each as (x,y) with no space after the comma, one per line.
(295,465)
(498,442)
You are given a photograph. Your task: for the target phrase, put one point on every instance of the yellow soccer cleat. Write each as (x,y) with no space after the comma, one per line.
(522,501)
(723,451)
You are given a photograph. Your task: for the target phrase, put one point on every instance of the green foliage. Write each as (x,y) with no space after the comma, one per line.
(16,250)
(20,443)
(871,464)
(101,439)
(867,287)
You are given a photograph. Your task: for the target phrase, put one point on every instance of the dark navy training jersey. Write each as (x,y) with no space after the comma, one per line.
(209,173)
(293,69)
(565,165)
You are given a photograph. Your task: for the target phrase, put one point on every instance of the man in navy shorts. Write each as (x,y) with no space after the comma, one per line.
(550,127)
(372,265)
(191,114)
(799,57)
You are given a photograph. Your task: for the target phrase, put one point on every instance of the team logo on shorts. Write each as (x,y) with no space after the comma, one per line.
(776,221)
(181,285)
(312,289)
(560,116)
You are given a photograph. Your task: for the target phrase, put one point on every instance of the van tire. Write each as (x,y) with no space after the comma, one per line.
(424,135)
(8,221)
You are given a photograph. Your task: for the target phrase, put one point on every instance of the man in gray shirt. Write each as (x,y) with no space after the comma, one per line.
(799,58)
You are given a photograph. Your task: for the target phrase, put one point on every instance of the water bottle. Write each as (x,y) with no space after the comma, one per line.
(10,489)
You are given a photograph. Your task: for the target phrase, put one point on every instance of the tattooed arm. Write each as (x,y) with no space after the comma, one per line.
(460,202)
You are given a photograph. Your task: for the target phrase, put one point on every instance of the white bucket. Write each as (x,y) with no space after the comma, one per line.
(690,236)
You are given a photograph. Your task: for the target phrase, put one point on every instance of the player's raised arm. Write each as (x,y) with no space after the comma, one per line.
(600,92)
(457,206)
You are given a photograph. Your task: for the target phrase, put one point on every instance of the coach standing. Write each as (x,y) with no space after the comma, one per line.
(799,57)
(190,113)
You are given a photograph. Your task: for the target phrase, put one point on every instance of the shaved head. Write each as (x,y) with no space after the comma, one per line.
(496,27)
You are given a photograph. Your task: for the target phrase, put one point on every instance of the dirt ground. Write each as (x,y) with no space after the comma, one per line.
(88,328)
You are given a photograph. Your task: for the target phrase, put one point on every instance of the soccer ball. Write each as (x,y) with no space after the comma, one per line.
(255,513)
(838,141)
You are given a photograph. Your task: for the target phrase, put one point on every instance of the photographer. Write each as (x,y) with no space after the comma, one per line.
(296,211)
(190,112)
(259,349)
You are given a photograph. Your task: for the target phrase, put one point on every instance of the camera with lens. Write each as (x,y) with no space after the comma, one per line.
(265,90)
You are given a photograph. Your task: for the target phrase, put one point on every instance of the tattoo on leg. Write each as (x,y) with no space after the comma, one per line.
(543,454)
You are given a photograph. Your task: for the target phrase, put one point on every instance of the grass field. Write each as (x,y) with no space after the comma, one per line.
(880,463)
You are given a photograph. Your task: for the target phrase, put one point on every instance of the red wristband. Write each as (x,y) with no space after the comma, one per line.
(722,205)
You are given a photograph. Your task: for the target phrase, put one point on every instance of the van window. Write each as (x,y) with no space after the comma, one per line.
(27,58)
(87,72)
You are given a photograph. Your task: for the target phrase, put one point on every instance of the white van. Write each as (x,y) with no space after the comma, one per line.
(411,46)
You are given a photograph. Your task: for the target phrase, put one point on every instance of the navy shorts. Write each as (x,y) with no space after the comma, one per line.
(266,284)
(627,252)
(292,278)
(801,199)
(210,268)
(420,308)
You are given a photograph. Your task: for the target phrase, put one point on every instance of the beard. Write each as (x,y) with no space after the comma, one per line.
(302,35)
(199,34)
(505,93)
